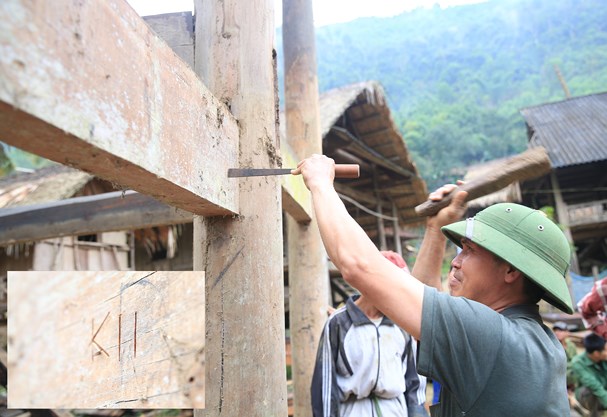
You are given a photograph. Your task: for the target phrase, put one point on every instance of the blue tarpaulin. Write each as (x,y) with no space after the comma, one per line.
(581,285)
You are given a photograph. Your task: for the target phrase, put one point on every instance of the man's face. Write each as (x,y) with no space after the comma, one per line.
(473,273)
(561,334)
(598,356)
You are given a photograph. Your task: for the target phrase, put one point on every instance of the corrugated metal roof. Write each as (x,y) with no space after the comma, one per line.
(573,131)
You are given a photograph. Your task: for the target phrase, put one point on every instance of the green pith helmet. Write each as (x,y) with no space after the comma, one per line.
(526,239)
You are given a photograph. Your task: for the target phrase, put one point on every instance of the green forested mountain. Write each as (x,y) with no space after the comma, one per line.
(456,78)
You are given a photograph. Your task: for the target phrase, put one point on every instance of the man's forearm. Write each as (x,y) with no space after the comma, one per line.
(390,289)
(429,260)
(395,293)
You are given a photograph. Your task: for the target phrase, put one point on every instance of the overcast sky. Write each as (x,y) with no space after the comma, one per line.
(325,11)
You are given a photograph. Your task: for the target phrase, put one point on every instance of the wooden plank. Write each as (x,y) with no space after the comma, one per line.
(116,211)
(88,84)
(86,215)
(177,29)
(106,339)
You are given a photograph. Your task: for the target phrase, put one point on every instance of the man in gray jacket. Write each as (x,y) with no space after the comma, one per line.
(365,365)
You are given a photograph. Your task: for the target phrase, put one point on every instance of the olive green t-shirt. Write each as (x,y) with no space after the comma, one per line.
(491,364)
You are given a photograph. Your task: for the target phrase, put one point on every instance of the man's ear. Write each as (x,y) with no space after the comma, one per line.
(512,274)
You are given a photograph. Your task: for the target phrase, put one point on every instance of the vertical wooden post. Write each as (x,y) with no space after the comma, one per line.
(308,268)
(563,219)
(242,255)
(398,247)
(383,245)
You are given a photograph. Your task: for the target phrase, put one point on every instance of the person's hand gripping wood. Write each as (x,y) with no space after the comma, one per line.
(454,211)
(429,261)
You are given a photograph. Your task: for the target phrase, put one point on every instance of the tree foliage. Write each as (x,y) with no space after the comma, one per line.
(456,78)
(12,158)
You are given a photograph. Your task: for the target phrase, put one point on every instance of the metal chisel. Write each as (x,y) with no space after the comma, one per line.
(341,171)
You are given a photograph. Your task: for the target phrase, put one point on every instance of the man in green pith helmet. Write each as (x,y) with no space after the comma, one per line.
(485,342)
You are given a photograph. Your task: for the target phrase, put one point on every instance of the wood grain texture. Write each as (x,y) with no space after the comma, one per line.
(90,85)
(243,255)
(532,163)
(152,361)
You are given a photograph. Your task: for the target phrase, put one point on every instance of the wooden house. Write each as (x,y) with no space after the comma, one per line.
(574,132)
(357,127)
(91,252)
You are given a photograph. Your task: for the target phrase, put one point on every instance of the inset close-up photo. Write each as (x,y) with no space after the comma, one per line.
(106,339)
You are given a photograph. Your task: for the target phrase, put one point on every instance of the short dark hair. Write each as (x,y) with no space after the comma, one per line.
(593,342)
(534,292)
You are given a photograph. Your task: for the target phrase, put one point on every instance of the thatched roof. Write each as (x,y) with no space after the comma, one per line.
(357,127)
(48,184)
(363,107)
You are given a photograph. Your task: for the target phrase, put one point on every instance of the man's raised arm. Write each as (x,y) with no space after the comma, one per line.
(397,294)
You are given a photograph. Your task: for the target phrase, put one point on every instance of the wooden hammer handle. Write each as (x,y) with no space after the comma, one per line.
(532,163)
(347,171)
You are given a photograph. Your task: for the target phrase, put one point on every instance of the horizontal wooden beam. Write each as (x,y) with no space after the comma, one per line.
(358,147)
(114,211)
(86,215)
(348,158)
(360,196)
(106,339)
(90,85)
